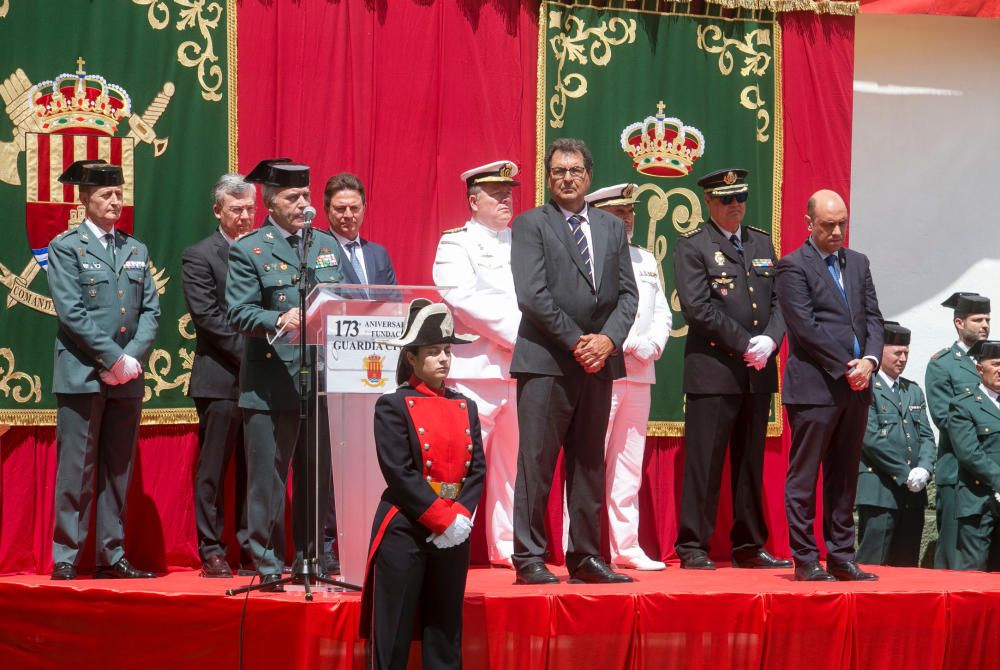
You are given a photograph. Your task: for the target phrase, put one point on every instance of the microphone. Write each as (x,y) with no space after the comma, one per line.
(309,213)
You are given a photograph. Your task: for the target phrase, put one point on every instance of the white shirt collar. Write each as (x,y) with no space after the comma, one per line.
(992,395)
(583,213)
(961,345)
(226,237)
(97,232)
(887,379)
(343,240)
(725,233)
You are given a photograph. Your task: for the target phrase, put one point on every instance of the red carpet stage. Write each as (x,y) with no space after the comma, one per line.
(912,619)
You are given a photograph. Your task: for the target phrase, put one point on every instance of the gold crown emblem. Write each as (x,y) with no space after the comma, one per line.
(661,146)
(507,170)
(79,100)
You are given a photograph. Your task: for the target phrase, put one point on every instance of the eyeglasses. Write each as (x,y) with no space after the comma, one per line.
(728,199)
(238,211)
(574,172)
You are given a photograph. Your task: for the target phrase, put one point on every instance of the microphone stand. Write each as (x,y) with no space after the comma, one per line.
(307,572)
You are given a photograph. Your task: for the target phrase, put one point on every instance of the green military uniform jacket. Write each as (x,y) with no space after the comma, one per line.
(104,309)
(974,430)
(263,284)
(950,372)
(898,438)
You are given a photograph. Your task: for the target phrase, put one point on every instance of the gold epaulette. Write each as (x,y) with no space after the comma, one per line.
(763,232)
(692,233)
(453,230)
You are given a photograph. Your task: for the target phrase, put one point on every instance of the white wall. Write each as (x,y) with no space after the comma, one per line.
(925,191)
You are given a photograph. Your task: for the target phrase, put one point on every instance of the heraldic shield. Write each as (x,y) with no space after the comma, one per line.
(52,208)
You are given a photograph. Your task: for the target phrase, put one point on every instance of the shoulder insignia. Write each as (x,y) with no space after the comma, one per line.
(762,232)
(692,233)
(65,233)
(453,230)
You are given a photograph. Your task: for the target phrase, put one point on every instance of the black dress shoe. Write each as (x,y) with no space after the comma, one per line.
(758,559)
(63,571)
(268,583)
(330,563)
(122,570)
(593,570)
(698,561)
(812,572)
(535,573)
(216,567)
(849,572)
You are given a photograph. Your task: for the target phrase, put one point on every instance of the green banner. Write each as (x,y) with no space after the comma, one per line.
(662,98)
(145,84)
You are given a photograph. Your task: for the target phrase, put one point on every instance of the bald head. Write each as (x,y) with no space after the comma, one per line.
(826,219)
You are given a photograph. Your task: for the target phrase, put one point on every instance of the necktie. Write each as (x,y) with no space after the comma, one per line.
(294,241)
(359,269)
(735,241)
(110,242)
(833,266)
(576,226)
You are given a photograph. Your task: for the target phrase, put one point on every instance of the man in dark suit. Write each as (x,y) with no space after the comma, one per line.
(263,297)
(724,274)
(215,374)
(828,300)
(345,202)
(108,309)
(574,284)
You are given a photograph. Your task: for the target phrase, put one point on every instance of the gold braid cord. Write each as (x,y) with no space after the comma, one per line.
(776,6)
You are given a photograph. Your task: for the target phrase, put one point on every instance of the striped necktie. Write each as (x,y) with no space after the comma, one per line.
(576,226)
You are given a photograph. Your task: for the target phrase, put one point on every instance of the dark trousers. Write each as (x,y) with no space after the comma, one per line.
(890,536)
(273,442)
(571,412)
(220,438)
(415,581)
(829,436)
(95,447)
(947,525)
(711,422)
(978,538)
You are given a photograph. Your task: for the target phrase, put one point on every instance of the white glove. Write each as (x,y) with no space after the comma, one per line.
(917,479)
(108,377)
(645,350)
(996,496)
(455,534)
(759,350)
(126,369)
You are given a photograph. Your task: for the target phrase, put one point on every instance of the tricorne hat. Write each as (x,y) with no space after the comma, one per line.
(92,172)
(280,172)
(968,303)
(428,323)
(895,335)
(984,350)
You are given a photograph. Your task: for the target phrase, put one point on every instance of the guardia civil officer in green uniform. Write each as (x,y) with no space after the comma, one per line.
(974,430)
(897,457)
(951,372)
(107,309)
(263,296)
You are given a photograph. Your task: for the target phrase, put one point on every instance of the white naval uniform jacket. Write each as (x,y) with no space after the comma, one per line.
(652,318)
(476,261)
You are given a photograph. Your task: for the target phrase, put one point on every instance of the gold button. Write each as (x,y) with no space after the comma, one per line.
(869,469)
(751,289)
(121,293)
(123,310)
(469,447)
(461,405)
(468,463)
(986,430)
(754,305)
(428,477)
(723,274)
(267,355)
(904,420)
(468,432)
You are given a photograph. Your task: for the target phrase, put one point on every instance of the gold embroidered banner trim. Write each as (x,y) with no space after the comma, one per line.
(47,417)
(776,6)
(676,428)
(231,46)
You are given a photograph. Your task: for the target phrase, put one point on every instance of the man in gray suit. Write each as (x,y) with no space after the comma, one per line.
(215,374)
(574,284)
(107,307)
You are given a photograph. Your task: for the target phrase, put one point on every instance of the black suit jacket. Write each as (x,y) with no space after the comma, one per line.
(726,300)
(378,265)
(218,350)
(558,303)
(821,327)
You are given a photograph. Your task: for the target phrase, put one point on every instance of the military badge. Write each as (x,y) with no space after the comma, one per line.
(719,258)
(267,267)
(762,263)
(325,250)
(326,261)
(135,265)
(256,250)
(268,236)
(282,266)
(373,371)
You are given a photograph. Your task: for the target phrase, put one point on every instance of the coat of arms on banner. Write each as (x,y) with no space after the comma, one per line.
(68,118)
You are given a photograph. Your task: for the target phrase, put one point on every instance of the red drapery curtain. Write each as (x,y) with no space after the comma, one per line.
(407,97)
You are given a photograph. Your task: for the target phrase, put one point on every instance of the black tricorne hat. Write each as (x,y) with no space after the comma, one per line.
(92,172)
(985,350)
(968,303)
(429,323)
(894,334)
(280,172)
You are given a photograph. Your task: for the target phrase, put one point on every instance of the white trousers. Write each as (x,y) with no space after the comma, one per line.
(496,400)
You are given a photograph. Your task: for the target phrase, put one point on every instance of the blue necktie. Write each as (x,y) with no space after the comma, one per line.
(735,241)
(834,267)
(576,225)
(359,270)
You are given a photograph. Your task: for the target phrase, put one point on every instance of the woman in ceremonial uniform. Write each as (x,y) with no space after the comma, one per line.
(431,454)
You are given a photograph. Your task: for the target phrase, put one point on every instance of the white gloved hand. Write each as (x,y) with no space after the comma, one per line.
(761,345)
(126,369)
(996,496)
(455,534)
(917,479)
(645,350)
(108,377)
